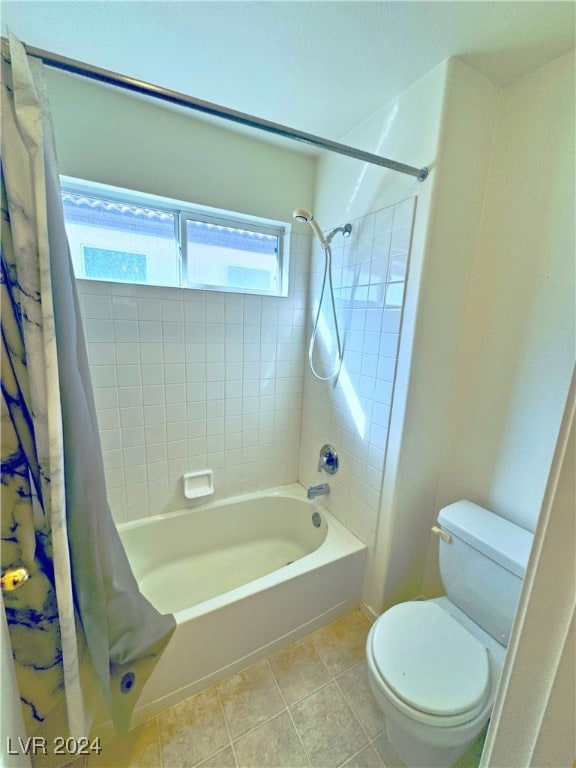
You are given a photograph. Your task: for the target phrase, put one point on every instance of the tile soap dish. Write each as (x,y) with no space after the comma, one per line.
(197,484)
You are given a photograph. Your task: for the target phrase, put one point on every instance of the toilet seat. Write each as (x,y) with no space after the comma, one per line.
(430,663)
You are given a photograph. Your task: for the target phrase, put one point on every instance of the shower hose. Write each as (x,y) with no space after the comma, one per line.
(327,275)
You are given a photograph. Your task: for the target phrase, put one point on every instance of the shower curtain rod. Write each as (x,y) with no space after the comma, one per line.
(73,66)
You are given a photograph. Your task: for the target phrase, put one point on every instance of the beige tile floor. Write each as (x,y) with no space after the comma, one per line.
(308,704)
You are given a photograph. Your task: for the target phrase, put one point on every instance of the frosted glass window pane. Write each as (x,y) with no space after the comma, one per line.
(123,242)
(231,258)
(119,235)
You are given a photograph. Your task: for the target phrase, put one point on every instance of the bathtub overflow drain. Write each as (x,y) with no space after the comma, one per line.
(316,519)
(127,682)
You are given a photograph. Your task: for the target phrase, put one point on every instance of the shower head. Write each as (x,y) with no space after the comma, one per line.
(305,216)
(301,214)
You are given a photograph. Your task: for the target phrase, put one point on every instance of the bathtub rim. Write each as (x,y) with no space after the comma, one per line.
(291,490)
(338,543)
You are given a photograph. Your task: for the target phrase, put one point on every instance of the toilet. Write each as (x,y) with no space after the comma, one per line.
(434,665)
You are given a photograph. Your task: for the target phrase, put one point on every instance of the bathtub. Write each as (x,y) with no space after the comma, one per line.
(243,577)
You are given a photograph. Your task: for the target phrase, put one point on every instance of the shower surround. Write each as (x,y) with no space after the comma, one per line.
(186,380)
(189,380)
(369,269)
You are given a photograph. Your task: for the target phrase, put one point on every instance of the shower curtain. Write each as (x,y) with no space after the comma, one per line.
(80,631)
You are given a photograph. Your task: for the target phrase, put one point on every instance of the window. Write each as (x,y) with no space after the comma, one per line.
(104,264)
(240,259)
(122,236)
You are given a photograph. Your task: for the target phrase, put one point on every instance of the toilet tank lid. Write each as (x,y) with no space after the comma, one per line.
(500,539)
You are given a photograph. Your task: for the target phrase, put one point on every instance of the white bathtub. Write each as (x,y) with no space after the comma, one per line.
(243,577)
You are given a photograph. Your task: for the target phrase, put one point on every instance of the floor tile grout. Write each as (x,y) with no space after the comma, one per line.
(159,741)
(287,708)
(333,677)
(228,730)
(332,657)
(350,705)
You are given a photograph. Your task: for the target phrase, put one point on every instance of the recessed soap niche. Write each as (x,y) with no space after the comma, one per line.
(198,484)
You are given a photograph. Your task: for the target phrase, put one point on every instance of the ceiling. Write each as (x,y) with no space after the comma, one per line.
(317,66)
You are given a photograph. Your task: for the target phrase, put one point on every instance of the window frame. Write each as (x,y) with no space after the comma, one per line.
(183,212)
(235,223)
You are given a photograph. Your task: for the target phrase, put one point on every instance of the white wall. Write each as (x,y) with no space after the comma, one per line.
(535,708)
(108,135)
(188,380)
(192,380)
(429,351)
(353,413)
(494,336)
(406,130)
(517,345)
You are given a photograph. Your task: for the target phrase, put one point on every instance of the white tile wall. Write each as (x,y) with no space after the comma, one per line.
(369,271)
(186,380)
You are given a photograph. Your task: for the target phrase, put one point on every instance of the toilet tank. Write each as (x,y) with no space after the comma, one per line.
(482,565)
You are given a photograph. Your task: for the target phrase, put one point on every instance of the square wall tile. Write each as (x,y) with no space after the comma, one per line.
(354,413)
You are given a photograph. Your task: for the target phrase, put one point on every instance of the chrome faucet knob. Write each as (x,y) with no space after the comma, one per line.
(328,460)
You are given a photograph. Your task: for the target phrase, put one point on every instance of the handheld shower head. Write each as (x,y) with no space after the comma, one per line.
(301,214)
(305,216)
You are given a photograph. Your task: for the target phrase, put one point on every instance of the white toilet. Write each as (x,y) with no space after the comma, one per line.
(434,665)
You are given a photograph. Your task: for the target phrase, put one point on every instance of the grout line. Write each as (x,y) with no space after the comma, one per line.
(333,678)
(330,672)
(227,724)
(355,755)
(159,741)
(287,708)
(271,670)
(299,737)
(352,708)
(276,714)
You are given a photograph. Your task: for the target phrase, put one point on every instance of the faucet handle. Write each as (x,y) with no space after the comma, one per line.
(328,460)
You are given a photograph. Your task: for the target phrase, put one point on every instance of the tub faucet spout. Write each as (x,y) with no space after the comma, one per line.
(318,490)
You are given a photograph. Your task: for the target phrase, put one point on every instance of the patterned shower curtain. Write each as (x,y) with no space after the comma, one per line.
(80,631)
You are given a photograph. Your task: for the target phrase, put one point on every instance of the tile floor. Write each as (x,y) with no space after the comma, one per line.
(308,704)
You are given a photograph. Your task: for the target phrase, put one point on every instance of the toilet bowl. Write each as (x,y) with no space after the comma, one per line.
(434,665)
(433,679)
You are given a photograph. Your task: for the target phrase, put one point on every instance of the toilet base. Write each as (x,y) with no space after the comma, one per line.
(417,739)
(425,745)
(416,754)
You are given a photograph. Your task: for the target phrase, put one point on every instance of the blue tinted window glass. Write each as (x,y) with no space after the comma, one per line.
(115,240)
(244,277)
(104,264)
